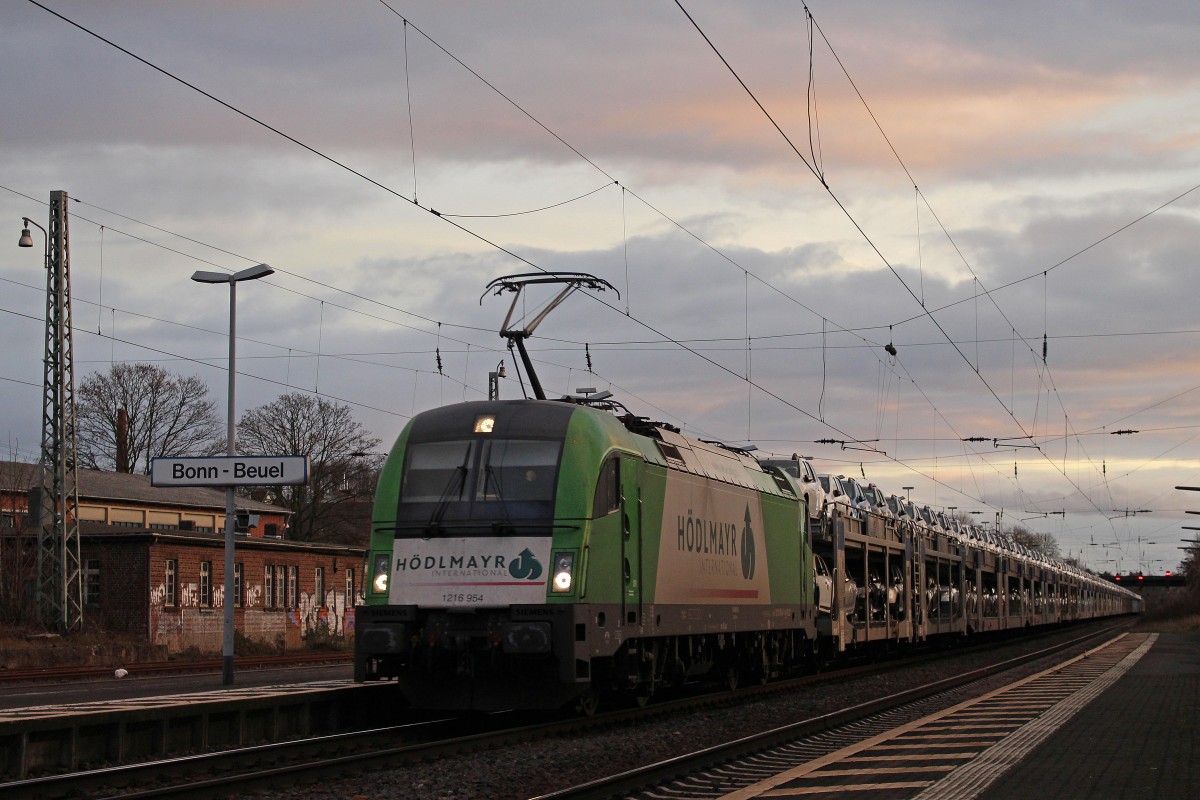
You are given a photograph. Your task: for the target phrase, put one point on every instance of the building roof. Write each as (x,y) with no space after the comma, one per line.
(95,533)
(96,484)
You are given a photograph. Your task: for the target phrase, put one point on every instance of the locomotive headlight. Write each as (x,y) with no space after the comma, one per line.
(379,575)
(564,565)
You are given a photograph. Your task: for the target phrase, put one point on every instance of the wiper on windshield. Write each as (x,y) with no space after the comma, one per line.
(453,487)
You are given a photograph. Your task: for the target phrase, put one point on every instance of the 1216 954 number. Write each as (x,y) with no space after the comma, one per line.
(462,598)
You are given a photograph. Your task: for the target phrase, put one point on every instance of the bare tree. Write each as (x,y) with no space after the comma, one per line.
(164,415)
(338,448)
(1043,543)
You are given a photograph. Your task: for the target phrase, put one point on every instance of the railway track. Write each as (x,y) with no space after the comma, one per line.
(309,761)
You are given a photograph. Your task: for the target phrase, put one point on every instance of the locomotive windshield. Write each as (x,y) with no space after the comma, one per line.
(481,481)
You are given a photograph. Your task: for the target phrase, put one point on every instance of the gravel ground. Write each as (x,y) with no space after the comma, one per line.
(527,770)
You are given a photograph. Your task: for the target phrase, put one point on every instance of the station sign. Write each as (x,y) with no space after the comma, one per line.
(229,471)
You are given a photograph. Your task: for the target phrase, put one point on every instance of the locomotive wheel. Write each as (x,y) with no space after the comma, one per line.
(589,703)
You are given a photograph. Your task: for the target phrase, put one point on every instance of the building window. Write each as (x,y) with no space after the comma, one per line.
(271,529)
(91,582)
(319,586)
(349,587)
(238,598)
(206,583)
(293,586)
(268,586)
(170,586)
(280,586)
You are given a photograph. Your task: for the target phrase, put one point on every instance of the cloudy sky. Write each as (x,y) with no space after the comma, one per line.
(973,183)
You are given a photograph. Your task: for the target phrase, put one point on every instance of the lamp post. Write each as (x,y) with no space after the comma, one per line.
(907,489)
(249,274)
(26,239)
(57,582)
(494,381)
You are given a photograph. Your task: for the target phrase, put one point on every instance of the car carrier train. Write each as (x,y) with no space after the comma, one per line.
(554,553)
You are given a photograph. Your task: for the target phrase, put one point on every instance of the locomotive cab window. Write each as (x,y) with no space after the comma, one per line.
(435,471)
(451,483)
(608,490)
(516,471)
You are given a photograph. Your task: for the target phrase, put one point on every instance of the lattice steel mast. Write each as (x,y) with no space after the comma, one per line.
(59,578)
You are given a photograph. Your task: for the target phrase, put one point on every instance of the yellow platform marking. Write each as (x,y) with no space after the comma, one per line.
(910,757)
(829,773)
(853,787)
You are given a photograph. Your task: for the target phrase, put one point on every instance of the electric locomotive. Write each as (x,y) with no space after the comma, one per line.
(540,554)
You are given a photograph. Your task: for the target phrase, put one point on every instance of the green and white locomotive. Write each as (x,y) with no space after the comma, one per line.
(542,553)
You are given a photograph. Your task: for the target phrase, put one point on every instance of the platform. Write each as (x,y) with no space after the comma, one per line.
(1138,739)
(62,737)
(1121,723)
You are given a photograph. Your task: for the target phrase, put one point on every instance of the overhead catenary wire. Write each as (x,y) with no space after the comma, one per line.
(748,338)
(362,175)
(859,229)
(339,163)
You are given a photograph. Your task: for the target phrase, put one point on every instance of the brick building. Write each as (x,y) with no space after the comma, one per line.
(153,563)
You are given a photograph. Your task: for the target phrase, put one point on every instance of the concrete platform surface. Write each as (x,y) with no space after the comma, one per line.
(1138,739)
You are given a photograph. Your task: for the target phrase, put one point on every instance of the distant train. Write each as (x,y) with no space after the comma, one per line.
(560,553)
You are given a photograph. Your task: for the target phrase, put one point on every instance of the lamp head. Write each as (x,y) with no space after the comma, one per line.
(26,238)
(252,273)
(500,372)
(248,274)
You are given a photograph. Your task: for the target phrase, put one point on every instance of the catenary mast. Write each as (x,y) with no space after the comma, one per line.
(59,579)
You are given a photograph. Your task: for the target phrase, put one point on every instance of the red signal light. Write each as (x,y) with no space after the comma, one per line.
(1117,578)
(1140,578)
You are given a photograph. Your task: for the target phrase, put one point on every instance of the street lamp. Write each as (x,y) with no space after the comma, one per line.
(249,274)
(494,381)
(26,239)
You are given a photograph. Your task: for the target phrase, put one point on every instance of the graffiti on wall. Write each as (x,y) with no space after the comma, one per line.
(332,612)
(186,623)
